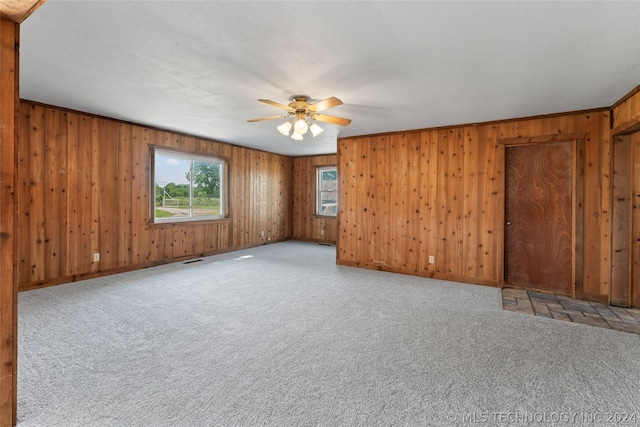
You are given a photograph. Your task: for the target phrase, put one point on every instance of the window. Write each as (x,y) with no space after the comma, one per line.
(187,187)
(327,179)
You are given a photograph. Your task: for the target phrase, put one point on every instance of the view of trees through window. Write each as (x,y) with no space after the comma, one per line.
(187,187)
(327,191)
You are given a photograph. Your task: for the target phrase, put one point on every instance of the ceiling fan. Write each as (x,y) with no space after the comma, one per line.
(301,110)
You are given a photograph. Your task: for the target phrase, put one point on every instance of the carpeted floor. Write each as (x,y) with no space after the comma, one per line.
(281,336)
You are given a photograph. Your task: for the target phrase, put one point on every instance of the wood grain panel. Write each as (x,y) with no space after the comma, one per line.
(490,202)
(595,179)
(77,247)
(346,201)
(306,224)
(621,265)
(626,113)
(635,220)
(23,203)
(450,203)
(19,10)
(140,196)
(35,236)
(539,235)
(124,193)
(55,145)
(85,189)
(428,232)
(472,214)
(9,233)
(373,201)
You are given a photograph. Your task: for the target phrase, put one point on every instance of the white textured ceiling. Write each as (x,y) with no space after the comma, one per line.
(199,66)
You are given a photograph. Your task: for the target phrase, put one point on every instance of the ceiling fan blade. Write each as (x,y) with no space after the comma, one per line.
(266,118)
(325,104)
(331,119)
(276,104)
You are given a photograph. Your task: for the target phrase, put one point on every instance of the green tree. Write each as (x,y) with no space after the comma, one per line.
(206,178)
(177,190)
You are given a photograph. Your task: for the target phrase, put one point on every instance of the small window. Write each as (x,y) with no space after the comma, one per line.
(187,187)
(327,179)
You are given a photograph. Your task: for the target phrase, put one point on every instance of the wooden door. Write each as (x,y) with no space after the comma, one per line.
(539,243)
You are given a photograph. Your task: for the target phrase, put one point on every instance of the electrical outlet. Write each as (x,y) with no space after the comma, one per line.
(322,232)
(262,233)
(96,257)
(432,259)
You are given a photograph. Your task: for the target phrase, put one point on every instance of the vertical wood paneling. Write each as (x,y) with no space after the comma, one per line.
(346,200)
(490,198)
(24,187)
(600,282)
(412,173)
(109,204)
(460,206)
(9,233)
(472,182)
(403,178)
(398,220)
(75,247)
(140,184)
(626,114)
(124,193)
(622,221)
(428,195)
(595,176)
(450,203)
(55,145)
(282,212)
(376,184)
(85,188)
(94,201)
(306,225)
(635,219)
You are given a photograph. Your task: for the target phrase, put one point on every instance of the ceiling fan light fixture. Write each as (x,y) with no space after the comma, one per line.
(315,129)
(302,115)
(301,126)
(285,128)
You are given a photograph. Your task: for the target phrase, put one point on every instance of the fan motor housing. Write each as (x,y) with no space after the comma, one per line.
(300,103)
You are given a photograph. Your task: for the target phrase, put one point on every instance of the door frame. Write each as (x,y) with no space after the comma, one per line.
(577,200)
(622,135)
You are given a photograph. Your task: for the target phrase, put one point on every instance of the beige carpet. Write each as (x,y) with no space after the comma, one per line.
(281,336)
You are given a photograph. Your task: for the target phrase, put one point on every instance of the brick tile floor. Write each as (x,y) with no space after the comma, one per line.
(567,309)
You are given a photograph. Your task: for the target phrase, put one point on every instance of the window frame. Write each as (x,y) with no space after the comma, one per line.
(192,157)
(319,191)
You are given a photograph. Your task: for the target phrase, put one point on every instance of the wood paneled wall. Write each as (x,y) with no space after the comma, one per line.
(625,133)
(306,224)
(625,114)
(403,197)
(84,188)
(407,196)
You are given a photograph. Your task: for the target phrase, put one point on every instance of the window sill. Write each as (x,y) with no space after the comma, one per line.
(168,224)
